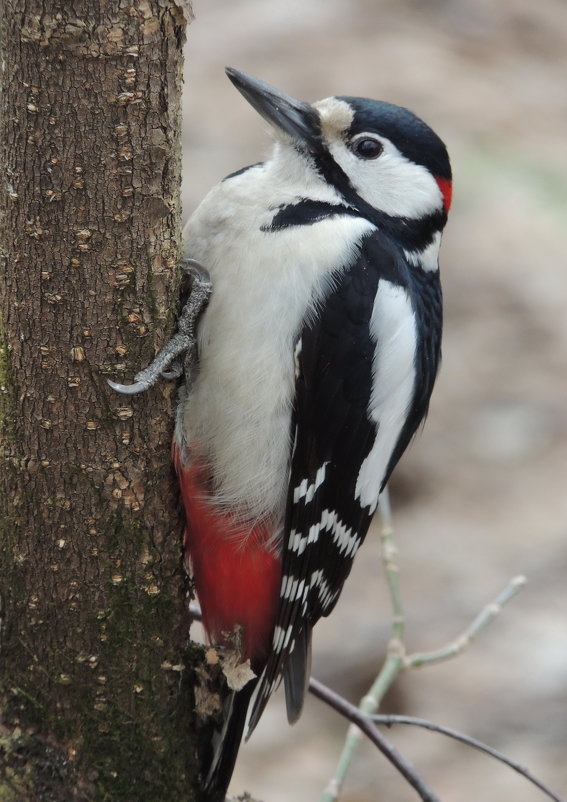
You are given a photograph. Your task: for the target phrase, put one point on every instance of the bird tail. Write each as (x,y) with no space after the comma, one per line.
(297,673)
(225,743)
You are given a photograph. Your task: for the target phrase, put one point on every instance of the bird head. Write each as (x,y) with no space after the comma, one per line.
(381,158)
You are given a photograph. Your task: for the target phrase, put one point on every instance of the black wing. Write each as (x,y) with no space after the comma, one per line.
(325,522)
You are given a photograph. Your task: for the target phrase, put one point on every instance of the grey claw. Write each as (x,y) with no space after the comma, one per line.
(128,389)
(196,269)
(174,372)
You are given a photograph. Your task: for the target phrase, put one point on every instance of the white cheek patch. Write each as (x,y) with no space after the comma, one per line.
(390,183)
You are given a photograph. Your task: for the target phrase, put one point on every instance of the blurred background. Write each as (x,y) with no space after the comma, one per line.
(482,494)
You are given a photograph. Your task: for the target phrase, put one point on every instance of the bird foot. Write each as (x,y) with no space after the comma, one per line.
(179,355)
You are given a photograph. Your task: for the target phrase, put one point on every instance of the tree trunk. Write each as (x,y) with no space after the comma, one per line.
(95,668)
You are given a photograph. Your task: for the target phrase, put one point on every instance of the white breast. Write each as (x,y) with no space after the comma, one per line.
(238,413)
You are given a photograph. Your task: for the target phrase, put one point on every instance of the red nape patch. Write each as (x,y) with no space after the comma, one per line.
(236,577)
(446,187)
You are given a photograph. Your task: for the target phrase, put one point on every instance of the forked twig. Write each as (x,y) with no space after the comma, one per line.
(397,659)
(362,721)
(334,700)
(460,643)
(388,721)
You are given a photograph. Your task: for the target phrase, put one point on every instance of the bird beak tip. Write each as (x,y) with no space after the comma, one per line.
(296,118)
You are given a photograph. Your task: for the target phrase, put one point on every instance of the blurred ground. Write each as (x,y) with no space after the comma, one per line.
(482,496)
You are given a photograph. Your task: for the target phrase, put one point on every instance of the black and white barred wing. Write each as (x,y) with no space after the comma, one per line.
(325,522)
(366,368)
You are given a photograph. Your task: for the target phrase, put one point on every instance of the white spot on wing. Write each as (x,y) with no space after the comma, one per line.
(297,542)
(306,490)
(393,328)
(313,536)
(346,540)
(287,638)
(277,638)
(286,583)
(281,637)
(318,582)
(292,588)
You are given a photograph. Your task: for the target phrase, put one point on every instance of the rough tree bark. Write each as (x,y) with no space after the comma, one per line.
(95,693)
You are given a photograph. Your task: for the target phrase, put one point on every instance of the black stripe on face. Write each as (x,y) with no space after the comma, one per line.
(306,212)
(410,233)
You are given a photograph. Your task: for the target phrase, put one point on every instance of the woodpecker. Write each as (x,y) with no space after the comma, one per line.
(318,353)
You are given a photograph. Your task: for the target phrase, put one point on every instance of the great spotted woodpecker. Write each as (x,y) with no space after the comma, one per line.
(318,352)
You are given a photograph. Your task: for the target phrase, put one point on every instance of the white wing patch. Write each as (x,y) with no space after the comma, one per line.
(345,539)
(292,588)
(393,328)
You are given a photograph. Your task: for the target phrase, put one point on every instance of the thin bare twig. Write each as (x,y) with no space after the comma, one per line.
(362,721)
(460,643)
(397,659)
(389,720)
(337,702)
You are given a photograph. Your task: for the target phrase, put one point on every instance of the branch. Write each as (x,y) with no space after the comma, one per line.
(364,723)
(485,617)
(355,715)
(397,659)
(469,741)
(394,662)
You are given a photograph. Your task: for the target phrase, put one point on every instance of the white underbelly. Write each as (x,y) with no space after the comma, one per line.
(237,415)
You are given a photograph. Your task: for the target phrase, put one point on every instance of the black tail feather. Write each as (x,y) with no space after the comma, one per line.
(296,674)
(226,743)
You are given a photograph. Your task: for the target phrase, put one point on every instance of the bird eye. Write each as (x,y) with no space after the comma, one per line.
(367,148)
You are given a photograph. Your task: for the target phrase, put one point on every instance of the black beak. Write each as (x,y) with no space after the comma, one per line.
(296,118)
